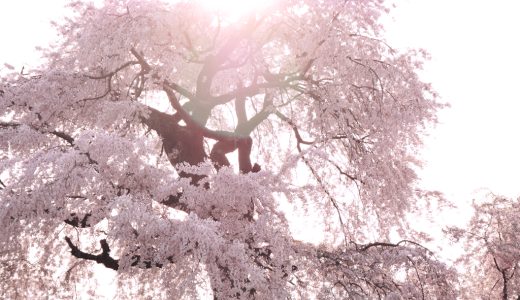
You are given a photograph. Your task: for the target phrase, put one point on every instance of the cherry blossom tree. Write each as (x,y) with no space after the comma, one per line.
(492,249)
(175,145)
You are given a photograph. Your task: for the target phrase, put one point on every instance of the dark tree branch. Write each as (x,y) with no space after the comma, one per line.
(104,258)
(246,91)
(251,90)
(349,176)
(75,221)
(174,102)
(242,141)
(384,244)
(418,277)
(503,272)
(297,134)
(108,90)
(173,201)
(196,126)
(179,89)
(65,136)
(110,74)
(244,152)
(108,77)
(221,148)
(219,151)
(145,67)
(68,138)
(9,125)
(240,109)
(164,124)
(140,79)
(247,126)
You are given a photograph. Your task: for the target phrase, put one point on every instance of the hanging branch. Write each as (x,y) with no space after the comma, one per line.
(299,139)
(333,200)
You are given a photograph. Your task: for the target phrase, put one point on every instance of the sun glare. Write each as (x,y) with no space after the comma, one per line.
(235,9)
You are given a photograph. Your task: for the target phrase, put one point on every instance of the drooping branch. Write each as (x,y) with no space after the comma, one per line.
(329,195)
(74,219)
(418,277)
(320,182)
(299,139)
(349,176)
(158,122)
(381,278)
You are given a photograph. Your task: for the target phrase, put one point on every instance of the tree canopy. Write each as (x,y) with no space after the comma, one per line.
(492,254)
(118,151)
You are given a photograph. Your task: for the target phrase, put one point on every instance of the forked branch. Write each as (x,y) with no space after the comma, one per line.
(103,258)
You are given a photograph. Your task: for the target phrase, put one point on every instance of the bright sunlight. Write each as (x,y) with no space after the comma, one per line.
(233,10)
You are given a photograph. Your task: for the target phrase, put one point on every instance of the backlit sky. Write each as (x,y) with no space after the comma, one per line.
(475,48)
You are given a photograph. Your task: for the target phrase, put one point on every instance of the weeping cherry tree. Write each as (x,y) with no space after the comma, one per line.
(183,147)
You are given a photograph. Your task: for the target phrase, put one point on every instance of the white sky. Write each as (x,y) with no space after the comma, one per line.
(475,48)
(24,24)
